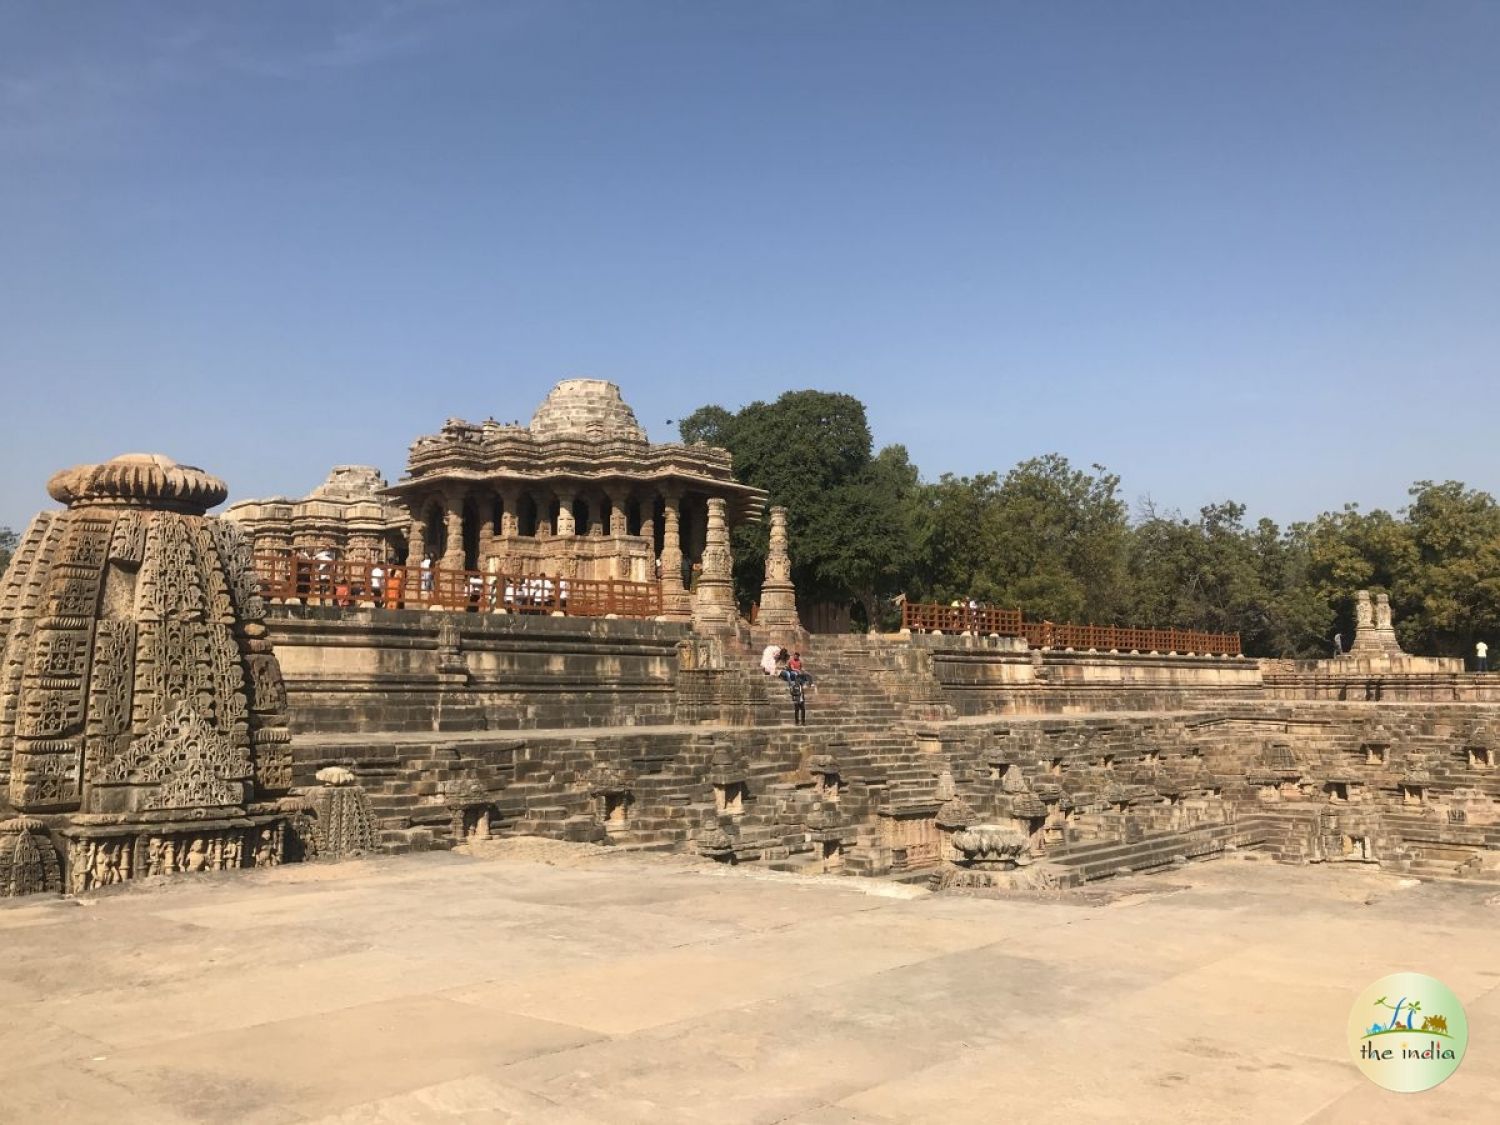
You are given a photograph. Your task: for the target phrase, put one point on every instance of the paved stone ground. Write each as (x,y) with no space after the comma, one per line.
(631,988)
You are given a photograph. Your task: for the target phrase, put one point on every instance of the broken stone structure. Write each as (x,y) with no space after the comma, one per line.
(348,514)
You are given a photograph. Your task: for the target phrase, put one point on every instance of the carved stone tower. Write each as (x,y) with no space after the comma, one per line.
(778,597)
(713,602)
(143,721)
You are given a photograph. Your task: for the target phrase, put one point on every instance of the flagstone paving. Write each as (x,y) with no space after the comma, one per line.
(546,983)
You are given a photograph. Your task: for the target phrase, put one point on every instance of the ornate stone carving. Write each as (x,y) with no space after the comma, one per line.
(181,763)
(132,647)
(469,805)
(713,599)
(992,846)
(1374,632)
(28,861)
(344,826)
(778,597)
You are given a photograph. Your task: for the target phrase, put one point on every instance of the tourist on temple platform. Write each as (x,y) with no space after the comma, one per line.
(768,659)
(427,575)
(1338,644)
(1482,656)
(799,702)
(377,582)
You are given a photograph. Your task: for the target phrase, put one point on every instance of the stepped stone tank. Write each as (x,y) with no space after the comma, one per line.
(143,720)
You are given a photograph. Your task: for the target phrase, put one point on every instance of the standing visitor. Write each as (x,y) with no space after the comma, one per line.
(377,582)
(1338,644)
(799,702)
(1482,655)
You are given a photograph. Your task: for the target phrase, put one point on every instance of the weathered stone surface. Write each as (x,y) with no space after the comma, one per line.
(348,514)
(139,701)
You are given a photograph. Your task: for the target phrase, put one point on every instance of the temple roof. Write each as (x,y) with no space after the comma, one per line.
(583,433)
(586,408)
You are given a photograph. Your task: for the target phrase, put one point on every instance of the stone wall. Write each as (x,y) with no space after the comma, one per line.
(993,675)
(399,671)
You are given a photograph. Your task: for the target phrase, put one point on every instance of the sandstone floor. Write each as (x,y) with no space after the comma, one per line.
(543,984)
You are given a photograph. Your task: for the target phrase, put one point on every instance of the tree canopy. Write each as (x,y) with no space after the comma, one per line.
(1060,543)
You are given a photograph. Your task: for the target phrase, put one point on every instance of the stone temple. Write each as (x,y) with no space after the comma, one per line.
(580,492)
(172,702)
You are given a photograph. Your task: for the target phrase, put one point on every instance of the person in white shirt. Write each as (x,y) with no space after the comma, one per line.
(1482,654)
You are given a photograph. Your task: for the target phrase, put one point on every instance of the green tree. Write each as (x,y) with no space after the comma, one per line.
(1048,538)
(850,514)
(1217,574)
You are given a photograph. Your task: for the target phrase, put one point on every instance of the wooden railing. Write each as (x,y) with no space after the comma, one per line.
(987,620)
(343,582)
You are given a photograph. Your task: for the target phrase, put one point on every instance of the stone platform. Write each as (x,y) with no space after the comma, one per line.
(549,983)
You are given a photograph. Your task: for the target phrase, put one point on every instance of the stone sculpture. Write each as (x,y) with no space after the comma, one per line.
(142,712)
(778,597)
(28,861)
(713,599)
(344,825)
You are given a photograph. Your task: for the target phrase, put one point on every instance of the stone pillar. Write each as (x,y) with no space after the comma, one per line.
(565,513)
(453,524)
(673,596)
(416,541)
(486,529)
(543,515)
(619,518)
(778,597)
(510,512)
(713,603)
(648,520)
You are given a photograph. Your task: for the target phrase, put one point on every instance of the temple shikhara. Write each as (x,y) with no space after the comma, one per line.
(535,632)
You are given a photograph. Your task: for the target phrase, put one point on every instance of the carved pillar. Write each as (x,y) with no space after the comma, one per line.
(416,540)
(565,526)
(543,514)
(619,519)
(778,597)
(510,512)
(713,602)
(453,525)
(486,528)
(673,597)
(648,520)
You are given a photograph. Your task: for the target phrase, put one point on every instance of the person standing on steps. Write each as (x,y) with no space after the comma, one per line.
(799,702)
(1482,656)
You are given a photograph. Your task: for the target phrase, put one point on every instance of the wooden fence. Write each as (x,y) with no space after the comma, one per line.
(343,582)
(986,620)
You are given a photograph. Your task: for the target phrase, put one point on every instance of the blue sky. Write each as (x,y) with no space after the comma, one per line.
(1232,250)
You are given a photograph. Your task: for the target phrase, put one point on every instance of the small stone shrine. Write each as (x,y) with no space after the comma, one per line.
(348,514)
(143,720)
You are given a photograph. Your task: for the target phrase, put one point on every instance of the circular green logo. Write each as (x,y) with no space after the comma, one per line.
(1408,1032)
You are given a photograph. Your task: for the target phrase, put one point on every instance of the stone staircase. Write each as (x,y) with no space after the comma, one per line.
(406,794)
(1073,864)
